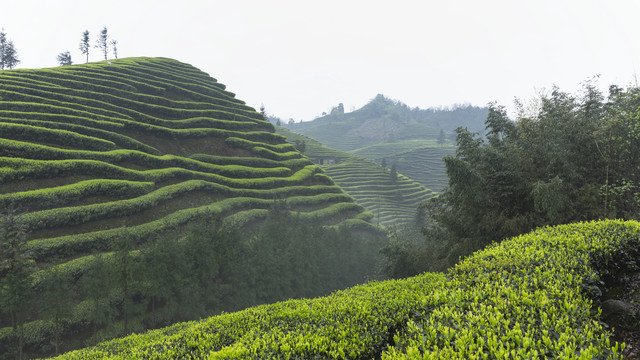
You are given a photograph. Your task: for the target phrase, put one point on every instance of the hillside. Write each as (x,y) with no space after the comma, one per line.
(420,160)
(139,141)
(412,139)
(533,296)
(137,149)
(390,200)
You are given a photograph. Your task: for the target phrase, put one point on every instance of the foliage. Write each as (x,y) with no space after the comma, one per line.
(575,159)
(214,268)
(84,44)
(524,298)
(102,43)
(15,268)
(8,52)
(408,253)
(64,58)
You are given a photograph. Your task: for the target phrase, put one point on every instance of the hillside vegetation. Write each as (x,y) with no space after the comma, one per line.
(573,158)
(411,139)
(391,197)
(107,158)
(532,296)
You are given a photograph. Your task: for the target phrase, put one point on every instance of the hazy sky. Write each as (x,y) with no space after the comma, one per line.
(300,58)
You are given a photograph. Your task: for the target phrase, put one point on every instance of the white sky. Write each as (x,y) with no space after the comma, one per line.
(300,58)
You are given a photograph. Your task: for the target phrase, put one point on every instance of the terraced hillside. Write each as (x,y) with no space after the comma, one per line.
(420,160)
(412,139)
(140,147)
(391,201)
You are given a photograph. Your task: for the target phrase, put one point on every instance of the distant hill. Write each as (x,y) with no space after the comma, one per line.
(412,139)
(137,149)
(390,200)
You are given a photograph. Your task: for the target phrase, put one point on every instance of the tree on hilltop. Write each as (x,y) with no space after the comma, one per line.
(8,52)
(64,58)
(114,47)
(102,42)
(84,44)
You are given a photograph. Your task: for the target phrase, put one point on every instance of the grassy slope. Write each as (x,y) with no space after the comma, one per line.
(139,147)
(526,297)
(370,184)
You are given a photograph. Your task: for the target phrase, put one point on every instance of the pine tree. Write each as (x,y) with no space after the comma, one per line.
(8,52)
(10,56)
(84,44)
(102,42)
(114,47)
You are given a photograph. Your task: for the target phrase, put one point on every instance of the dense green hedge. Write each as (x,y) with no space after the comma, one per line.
(250,145)
(12,169)
(31,107)
(121,140)
(110,105)
(522,298)
(54,136)
(69,245)
(134,76)
(96,114)
(102,124)
(69,216)
(27,150)
(64,195)
(251,161)
(100,82)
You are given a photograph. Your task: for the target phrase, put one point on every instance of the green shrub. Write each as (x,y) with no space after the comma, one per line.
(54,136)
(34,151)
(121,140)
(63,195)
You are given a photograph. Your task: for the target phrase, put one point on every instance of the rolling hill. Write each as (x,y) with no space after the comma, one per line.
(141,147)
(412,139)
(391,200)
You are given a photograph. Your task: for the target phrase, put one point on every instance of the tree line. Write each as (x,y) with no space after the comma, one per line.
(9,54)
(102,43)
(568,158)
(215,267)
